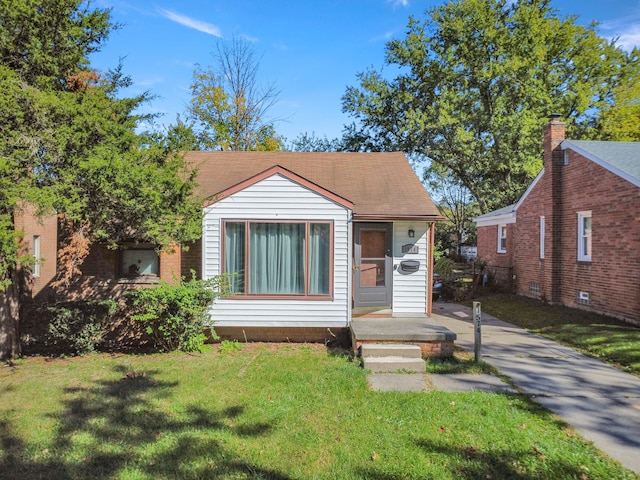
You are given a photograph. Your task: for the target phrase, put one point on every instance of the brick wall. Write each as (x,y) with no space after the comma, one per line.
(101,276)
(532,277)
(170,264)
(46,228)
(192,260)
(612,276)
(498,265)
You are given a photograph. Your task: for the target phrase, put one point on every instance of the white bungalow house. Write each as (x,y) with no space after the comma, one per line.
(311,239)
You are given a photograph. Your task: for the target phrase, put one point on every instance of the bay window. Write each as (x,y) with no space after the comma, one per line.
(278,258)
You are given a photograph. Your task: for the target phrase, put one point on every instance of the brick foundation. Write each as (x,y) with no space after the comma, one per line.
(285,334)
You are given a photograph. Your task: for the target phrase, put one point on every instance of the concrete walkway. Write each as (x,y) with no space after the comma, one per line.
(601,402)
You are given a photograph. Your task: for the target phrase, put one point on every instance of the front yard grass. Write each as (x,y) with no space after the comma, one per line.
(268,412)
(608,339)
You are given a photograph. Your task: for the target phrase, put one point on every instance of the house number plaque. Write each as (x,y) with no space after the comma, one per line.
(410,248)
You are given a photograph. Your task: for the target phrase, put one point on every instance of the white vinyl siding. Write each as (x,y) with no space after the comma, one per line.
(280,199)
(410,289)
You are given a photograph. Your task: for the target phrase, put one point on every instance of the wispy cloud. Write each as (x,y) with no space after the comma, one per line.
(626,31)
(630,38)
(249,38)
(386,36)
(149,82)
(399,3)
(193,23)
(281,46)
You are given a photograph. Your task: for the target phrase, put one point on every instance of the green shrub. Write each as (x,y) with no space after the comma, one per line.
(72,328)
(229,346)
(175,315)
(445,267)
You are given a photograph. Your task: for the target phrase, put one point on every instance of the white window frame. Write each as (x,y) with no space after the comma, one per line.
(584,236)
(542,227)
(502,246)
(36,255)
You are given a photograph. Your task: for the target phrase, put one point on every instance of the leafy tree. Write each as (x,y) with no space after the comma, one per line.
(477,80)
(621,120)
(46,42)
(306,142)
(458,207)
(68,145)
(228,104)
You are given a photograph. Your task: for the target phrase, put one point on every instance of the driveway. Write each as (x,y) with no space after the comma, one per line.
(599,401)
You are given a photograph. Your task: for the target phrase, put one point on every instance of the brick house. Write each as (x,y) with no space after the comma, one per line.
(308,239)
(105,271)
(573,238)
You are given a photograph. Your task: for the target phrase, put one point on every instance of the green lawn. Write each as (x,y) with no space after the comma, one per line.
(605,338)
(268,412)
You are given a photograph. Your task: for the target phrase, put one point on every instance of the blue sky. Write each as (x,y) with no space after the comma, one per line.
(311,50)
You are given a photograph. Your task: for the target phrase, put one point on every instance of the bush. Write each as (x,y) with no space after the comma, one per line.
(175,315)
(445,268)
(71,328)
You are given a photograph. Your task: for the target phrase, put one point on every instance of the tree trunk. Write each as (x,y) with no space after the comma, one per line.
(10,317)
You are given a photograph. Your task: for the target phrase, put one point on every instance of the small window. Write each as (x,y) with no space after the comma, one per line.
(36,255)
(584,236)
(138,261)
(534,288)
(565,157)
(502,239)
(583,298)
(541,237)
(270,258)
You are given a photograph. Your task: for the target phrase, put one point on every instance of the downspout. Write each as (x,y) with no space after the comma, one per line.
(430,249)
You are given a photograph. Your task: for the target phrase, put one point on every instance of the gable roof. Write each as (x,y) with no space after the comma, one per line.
(380,185)
(621,158)
(497,217)
(283,172)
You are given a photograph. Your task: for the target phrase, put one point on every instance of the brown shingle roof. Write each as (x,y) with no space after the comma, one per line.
(379,184)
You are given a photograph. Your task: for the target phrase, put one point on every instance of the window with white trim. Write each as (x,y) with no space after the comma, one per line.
(278,258)
(36,255)
(541,237)
(584,236)
(502,239)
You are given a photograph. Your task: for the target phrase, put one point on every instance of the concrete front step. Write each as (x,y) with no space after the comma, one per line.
(390,350)
(394,364)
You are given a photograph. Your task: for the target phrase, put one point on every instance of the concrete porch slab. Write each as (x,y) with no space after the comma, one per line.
(409,329)
(433,339)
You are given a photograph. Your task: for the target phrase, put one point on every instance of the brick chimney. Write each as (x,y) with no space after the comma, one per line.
(554,134)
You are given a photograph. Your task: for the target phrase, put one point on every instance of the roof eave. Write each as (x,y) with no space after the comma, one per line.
(420,218)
